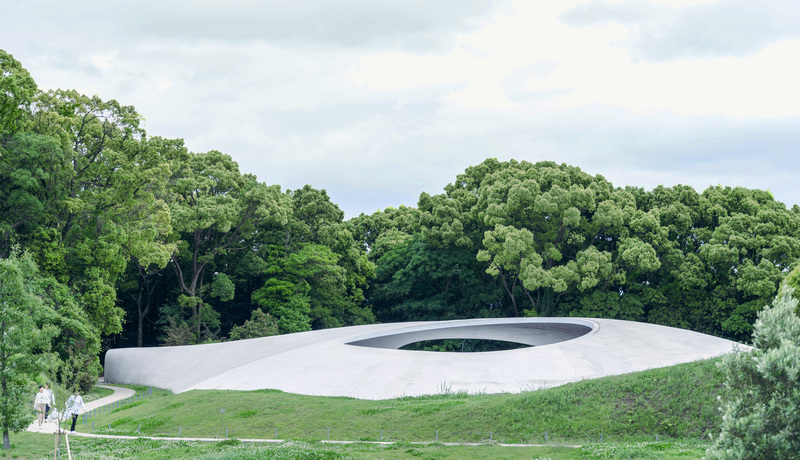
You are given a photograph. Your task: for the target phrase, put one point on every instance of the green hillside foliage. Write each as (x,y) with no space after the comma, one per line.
(678,403)
(674,402)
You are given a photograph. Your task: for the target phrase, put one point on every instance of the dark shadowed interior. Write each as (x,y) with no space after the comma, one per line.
(530,334)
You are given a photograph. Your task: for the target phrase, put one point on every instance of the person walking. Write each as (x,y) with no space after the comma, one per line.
(51,400)
(39,404)
(75,407)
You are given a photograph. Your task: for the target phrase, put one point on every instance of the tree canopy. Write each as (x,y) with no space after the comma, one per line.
(26,327)
(556,241)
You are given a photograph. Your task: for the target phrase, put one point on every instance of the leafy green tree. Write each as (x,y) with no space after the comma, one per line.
(139,286)
(147,261)
(85,196)
(792,280)
(721,253)
(23,343)
(420,275)
(246,272)
(215,208)
(260,324)
(752,241)
(17,90)
(533,225)
(562,242)
(676,293)
(417,281)
(177,332)
(283,301)
(33,175)
(316,272)
(761,407)
(337,297)
(77,345)
(305,287)
(384,230)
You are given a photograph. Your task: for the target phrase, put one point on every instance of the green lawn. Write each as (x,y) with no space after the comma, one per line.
(613,417)
(96,393)
(676,402)
(37,446)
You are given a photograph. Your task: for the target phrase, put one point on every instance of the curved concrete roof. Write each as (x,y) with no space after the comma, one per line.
(365,362)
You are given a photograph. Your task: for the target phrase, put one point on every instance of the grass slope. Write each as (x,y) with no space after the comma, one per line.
(679,401)
(37,446)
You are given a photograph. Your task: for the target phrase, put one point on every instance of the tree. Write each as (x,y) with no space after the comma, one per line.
(315,271)
(384,230)
(177,333)
(761,408)
(260,324)
(306,286)
(540,228)
(215,208)
(282,299)
(32,187)
(421,274)
(17,89)
(87,194)
(793,281)
(139,287)
(417,281)
(22,342)
(750,243)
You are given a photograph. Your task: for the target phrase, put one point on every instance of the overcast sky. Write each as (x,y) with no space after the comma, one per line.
(377,101)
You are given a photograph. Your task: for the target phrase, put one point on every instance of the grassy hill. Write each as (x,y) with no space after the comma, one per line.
(678,402)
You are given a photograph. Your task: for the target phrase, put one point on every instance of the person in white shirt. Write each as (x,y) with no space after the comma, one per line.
(75,407)
(39,403)
(51,400)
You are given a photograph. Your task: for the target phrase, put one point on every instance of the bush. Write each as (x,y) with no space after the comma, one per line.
(761,411)
(793,281)
(260,324)
(177,333)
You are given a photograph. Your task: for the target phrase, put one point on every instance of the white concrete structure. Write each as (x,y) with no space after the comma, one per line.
(365,362)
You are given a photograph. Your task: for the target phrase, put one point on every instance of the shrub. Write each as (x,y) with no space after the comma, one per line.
(761,411)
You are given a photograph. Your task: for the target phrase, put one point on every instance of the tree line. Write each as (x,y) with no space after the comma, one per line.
(119,238)
(516,238)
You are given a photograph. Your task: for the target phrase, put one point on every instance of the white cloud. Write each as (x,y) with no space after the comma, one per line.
(759,86)
(406,24)
(665,31)
(103,61)
(379,101)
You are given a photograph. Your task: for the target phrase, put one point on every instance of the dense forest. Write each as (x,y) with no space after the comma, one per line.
(120,238)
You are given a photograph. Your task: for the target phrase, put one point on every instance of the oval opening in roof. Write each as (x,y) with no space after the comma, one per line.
(519,335)
(463,345)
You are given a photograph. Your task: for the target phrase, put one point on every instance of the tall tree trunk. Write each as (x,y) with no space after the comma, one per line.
(143,299)
(140,318)
(510,291)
